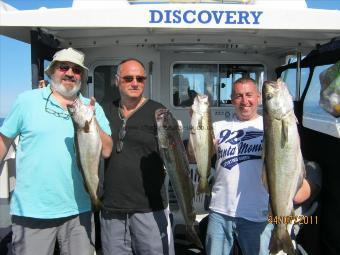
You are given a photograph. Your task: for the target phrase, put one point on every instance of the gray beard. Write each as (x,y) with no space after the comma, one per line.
(68,93)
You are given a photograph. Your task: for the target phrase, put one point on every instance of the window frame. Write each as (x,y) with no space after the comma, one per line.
(218,63)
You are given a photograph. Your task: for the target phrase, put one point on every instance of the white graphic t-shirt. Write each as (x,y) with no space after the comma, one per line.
(238,190)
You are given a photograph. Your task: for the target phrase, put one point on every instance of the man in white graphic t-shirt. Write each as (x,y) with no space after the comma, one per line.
(239,202)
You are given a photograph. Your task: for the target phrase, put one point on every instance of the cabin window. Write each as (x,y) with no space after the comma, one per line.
(289,77)
(46,64)
(212,79)
(311,103)
(104,84)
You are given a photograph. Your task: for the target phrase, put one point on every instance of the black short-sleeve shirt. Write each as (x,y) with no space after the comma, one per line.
(134,177)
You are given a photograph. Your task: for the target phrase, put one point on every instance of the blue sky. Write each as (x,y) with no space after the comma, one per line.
(15,56)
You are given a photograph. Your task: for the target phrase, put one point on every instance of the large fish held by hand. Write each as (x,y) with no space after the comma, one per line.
(88,146)
(176,162)
(284,167)
(201,140)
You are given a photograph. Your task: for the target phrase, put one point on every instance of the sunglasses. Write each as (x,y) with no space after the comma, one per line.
(66,67)
(130,78)
(121,135)
(53,112)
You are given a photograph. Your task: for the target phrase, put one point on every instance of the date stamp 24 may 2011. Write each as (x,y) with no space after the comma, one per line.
(297,219)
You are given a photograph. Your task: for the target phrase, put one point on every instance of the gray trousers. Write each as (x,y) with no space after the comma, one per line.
(75,235)
(136,233)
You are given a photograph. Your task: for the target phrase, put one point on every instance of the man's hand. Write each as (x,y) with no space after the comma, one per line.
(42,84)
(93,101)
(303,193)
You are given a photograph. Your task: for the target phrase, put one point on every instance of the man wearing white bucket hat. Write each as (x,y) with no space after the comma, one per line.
(50,201)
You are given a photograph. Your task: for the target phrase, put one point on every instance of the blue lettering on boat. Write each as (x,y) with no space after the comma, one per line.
(205,17)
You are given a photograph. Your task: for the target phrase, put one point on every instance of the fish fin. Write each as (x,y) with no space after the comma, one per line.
(193,236)
(96,205)
(265,183)
(303,167)
(281,241)
(192,130)
(270,211)
(264,172)
(296,119)
(87,126)
(203,186)
(292,213)
(284,138)
(200,125)
(212,145)
(193,124)
(190,149)
(263,148)
(212,136)
(302,172)
(180,128)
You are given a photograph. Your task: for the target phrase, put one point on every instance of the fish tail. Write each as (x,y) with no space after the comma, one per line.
(193,237)
(96,205)
(203,186)
(280,240)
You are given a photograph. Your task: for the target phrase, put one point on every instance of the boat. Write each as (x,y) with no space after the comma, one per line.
(204,46)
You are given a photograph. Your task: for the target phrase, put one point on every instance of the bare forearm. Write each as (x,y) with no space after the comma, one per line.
(5,143)
(107,143)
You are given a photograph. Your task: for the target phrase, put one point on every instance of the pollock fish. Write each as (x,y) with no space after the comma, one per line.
(201,140)
(330,89)
(88,145)
(283,163)
(176,162)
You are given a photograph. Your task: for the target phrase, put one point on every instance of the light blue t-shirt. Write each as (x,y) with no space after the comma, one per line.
(48,181)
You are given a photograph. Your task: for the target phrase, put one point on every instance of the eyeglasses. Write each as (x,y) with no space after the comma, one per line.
(51,111)
(130,78)
(121,135)
(65,67)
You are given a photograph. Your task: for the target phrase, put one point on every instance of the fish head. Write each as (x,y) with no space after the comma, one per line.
(166,126)
(201,103)
(165,120)
(159,116)
(276,98)
(81,114)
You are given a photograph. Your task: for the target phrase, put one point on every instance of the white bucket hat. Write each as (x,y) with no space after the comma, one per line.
(69,55)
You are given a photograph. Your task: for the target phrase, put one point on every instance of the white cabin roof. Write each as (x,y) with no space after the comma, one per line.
(260,25)
(282,3)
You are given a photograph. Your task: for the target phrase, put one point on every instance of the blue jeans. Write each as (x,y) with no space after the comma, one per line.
(223,230)
(265,239)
